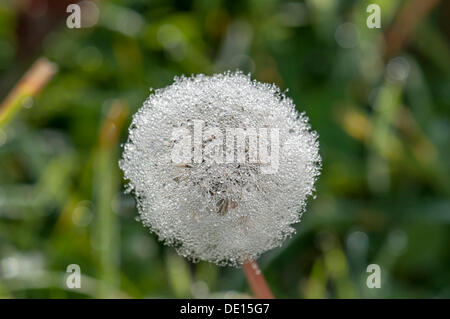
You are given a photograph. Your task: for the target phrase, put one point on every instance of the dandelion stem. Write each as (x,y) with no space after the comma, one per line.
(256,281)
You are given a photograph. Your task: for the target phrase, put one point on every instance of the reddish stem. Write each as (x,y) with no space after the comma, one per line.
(256,281)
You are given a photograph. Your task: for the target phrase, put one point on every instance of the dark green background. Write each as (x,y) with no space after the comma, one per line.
(383,196)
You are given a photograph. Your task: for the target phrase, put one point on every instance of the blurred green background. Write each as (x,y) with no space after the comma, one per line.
(379,99)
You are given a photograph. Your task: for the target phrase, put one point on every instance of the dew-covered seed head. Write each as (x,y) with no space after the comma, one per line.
(221,166)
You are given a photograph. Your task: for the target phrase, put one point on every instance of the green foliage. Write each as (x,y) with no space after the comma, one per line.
(383,196)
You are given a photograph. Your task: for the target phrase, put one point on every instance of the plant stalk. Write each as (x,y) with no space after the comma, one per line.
(29,85)
(256,281)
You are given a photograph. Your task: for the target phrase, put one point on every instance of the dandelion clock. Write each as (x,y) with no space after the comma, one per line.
(221,166)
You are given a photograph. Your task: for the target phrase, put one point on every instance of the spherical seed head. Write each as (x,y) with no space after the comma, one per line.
(214,205)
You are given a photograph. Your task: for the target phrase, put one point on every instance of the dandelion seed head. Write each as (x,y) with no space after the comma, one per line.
(224,213)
